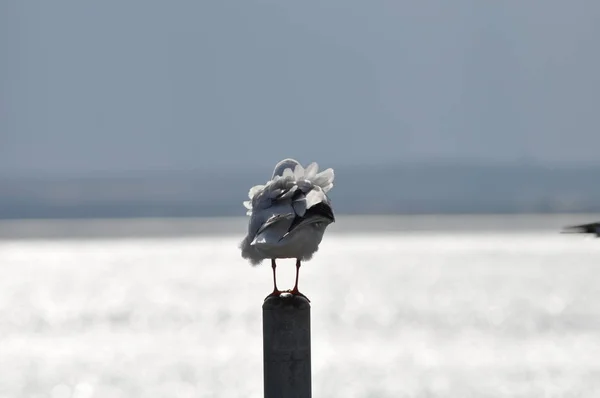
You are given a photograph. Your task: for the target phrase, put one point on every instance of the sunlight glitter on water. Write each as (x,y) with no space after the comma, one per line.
(397,314)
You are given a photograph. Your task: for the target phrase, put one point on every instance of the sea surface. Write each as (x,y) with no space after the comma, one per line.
(419,306)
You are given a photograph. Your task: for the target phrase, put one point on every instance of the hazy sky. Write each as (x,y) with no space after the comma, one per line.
(138,84)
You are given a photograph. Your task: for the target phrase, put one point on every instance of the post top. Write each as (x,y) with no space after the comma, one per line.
(286,301)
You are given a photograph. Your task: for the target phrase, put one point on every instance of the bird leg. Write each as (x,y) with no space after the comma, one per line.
(295,290)
(276,292)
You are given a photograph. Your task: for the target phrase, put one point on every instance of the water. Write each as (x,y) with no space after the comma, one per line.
(442,307)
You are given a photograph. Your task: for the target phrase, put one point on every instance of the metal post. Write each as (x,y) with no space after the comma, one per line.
(286,347)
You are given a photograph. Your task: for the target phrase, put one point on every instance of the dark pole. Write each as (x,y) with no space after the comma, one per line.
(286,347)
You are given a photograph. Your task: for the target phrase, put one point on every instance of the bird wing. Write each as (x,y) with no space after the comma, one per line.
(278,219)
(295,197)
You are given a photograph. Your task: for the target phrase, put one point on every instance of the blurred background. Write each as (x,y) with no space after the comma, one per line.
(463,136)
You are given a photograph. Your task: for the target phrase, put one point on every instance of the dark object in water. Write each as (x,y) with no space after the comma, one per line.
(592,228)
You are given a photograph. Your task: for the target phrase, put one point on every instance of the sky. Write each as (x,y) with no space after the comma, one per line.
(110,86)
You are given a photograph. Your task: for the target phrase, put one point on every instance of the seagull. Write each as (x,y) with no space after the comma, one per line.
(288,217)
(592,228)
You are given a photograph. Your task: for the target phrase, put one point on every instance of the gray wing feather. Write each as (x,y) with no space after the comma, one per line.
(299,206)
(276,218)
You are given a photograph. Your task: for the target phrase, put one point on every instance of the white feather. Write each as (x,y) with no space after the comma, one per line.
(324,178)
(298,172)
(288,173)
(313,197)
(311,170)
(254,190)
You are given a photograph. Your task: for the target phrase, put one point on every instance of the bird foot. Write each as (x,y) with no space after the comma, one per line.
(296,292)
(275,293)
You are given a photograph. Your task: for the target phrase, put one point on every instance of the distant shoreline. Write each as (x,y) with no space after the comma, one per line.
(435,188)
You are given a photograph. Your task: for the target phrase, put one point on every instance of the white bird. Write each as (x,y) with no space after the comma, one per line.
(288,216)
(592,228)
